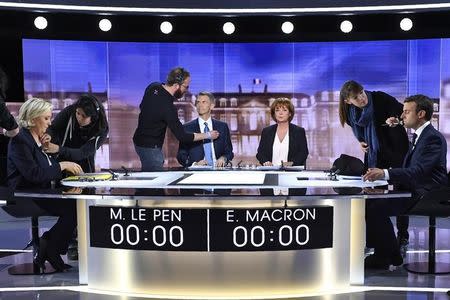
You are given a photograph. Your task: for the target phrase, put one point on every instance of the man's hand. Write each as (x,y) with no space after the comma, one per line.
(214,134)
(200,163)
(11,133)
(221,162)
(373,174)
(364,147)
(268,163)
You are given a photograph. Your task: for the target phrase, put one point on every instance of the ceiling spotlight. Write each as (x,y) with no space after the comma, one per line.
(287,27)
(105,25)
(346,26)
(228,28)
(166,27)
(406,24)
(40,22)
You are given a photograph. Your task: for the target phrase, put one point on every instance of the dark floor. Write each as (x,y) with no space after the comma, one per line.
(397,284)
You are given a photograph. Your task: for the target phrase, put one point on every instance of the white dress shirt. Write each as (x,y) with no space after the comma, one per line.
(201,123)
(280,150)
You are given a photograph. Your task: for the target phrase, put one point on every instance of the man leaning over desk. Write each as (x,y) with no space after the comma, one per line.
(207,152)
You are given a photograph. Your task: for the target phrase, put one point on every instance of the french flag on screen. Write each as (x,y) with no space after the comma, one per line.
(257,80)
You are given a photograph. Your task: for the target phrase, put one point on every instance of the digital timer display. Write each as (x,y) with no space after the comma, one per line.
(148,228)
(271,229)
(214,229)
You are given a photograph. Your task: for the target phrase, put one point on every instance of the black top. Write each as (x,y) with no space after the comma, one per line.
(298,147)
(393,141)
(157,113)
(7,121)
(76,143)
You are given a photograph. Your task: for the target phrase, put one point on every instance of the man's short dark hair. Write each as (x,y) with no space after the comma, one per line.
(208,94)
(177,75)
(422,103)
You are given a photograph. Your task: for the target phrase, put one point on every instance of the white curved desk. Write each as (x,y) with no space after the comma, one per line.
(232,245)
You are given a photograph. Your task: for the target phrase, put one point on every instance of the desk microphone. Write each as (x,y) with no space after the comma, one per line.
(239,164)
(125,170)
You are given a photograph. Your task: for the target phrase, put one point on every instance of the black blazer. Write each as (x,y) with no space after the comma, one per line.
(425,167)
(298,146)
(189,153)
(28,166)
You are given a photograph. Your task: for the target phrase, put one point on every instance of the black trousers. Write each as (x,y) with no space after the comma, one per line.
(61,233)
(379,229)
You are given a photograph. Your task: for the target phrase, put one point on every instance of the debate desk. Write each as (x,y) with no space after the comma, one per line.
(221,233)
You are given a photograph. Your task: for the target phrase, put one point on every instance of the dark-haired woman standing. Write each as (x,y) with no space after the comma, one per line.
(78,131)
(75,134)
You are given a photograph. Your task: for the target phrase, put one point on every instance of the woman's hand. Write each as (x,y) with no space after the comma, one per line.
(392,121)
(50,148)
(71,167)
(364,147)
(45,138)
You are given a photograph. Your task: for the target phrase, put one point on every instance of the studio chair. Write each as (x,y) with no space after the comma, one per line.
(433,204)
(26,208)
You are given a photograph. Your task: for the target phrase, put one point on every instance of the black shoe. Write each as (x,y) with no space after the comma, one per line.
(382,262)
(46,253)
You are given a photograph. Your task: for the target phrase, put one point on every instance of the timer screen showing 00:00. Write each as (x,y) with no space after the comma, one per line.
(256,229)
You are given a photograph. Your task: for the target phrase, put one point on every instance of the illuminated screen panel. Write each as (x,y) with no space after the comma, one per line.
(245,78)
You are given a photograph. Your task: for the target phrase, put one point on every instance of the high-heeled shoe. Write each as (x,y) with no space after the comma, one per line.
(47,253)
(39,257)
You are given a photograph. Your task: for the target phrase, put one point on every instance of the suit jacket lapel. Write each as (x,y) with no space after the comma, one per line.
(215,143)
(291,141)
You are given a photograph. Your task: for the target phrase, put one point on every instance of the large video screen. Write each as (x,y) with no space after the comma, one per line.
(245,78)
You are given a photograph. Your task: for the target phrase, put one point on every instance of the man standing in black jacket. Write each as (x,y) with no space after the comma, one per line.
(7,121)
(157,113)
(9,125)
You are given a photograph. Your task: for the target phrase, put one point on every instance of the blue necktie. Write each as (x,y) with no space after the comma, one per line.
(207,144)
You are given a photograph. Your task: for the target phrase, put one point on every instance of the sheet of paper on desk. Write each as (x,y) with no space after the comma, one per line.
(224,178)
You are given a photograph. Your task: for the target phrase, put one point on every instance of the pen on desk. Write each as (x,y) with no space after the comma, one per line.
(239,164)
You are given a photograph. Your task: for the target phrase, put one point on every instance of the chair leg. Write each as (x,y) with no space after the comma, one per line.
(32,268)
(430,267)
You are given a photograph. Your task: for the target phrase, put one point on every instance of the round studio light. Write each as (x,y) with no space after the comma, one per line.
(287,27)
(40,22)
(346,26)
(105,25)
(406,24)
(228,28)
(166,27)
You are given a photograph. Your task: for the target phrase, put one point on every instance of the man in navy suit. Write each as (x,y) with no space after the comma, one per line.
(207,152)
(424,169)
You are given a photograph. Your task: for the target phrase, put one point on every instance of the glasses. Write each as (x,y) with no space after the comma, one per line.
(185,86)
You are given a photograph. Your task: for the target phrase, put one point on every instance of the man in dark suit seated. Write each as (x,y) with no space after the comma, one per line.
(207,152)
(424,169)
